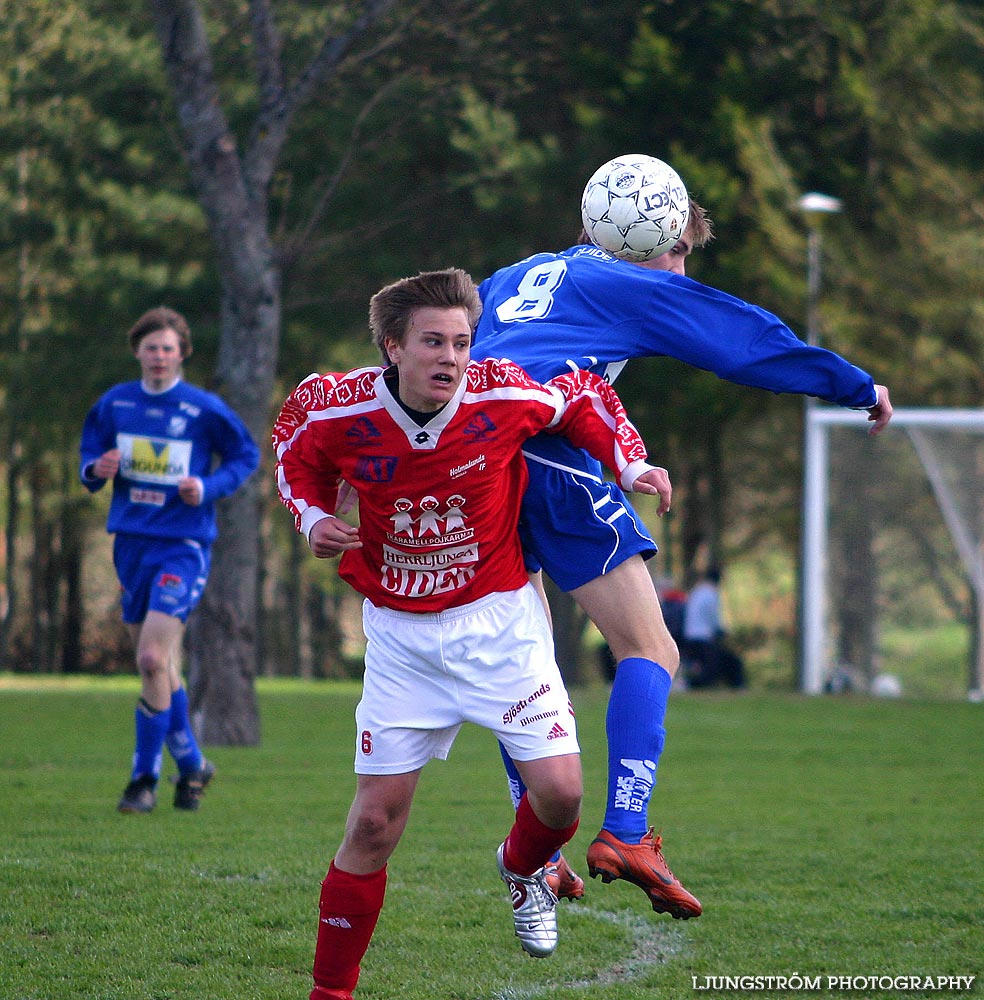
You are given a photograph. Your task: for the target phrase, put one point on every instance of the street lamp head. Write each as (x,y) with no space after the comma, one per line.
(813,205)
(814,202)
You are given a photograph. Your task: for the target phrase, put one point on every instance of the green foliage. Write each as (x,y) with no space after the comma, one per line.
(466,141)
(796,821)
(95,220)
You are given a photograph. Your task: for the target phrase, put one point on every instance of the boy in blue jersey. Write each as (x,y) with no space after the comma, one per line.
(157,439)
(583,308)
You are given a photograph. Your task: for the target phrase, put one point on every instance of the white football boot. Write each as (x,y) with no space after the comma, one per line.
(534,909)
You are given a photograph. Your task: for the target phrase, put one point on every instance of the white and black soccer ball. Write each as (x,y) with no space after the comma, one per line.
(635,207)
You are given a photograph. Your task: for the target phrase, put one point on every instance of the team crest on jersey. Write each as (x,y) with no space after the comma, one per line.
(480,427)
(177,426)
(375,468)
(363,431)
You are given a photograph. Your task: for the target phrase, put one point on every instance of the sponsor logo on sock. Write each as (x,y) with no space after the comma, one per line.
(632,792)
(337,922)
(643,770)
(558,732)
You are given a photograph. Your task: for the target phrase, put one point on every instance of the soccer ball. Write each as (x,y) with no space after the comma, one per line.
(886,686)
(635,207)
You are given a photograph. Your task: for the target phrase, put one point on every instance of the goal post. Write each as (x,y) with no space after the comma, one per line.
(945,448)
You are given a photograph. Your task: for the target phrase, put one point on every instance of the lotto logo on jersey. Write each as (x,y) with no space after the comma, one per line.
(154,460)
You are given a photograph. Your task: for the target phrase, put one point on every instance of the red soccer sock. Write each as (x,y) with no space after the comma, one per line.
(349,907)
(530,844)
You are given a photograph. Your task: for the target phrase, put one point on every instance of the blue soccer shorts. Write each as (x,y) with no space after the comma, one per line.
(159,574)
(576,527)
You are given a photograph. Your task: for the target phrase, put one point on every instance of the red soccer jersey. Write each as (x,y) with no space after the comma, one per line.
(439,503)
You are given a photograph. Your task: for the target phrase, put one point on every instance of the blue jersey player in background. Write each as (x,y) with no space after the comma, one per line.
(158,440)
(583,308)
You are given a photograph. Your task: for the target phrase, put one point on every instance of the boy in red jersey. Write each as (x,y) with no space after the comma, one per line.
(455,632)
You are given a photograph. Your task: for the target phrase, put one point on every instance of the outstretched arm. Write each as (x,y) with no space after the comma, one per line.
(594,419)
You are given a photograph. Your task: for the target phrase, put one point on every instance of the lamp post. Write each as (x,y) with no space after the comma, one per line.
(814,206)
(814,527)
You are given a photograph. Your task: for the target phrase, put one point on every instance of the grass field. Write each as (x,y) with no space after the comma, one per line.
(825,837)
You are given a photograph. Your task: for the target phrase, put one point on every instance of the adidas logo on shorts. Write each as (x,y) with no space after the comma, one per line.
(557,732)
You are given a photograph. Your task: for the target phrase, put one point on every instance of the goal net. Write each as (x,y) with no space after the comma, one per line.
(892,584)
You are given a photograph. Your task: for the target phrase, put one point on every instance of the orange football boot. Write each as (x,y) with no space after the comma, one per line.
(564,882)
(643,865)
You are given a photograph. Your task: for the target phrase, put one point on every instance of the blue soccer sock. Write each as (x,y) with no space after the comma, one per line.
(151,726)
(180,736)
(517,789)
(634,724)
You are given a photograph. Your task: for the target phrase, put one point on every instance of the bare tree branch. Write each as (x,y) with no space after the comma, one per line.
(273,121)
(207,140)
(299,240)
(267,51)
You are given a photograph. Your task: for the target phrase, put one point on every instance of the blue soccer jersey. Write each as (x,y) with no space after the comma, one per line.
(162,438)
(583,308)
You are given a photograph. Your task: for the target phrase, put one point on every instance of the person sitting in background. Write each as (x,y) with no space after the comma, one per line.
(710,661)
(673,601)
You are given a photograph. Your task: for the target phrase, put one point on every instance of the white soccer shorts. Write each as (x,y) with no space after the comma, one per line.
(490,662)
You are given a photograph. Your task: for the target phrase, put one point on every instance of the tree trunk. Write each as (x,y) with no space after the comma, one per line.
(222,632)
(233,192)
(9,608)
(44,580)
(223,640)
(72,543)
